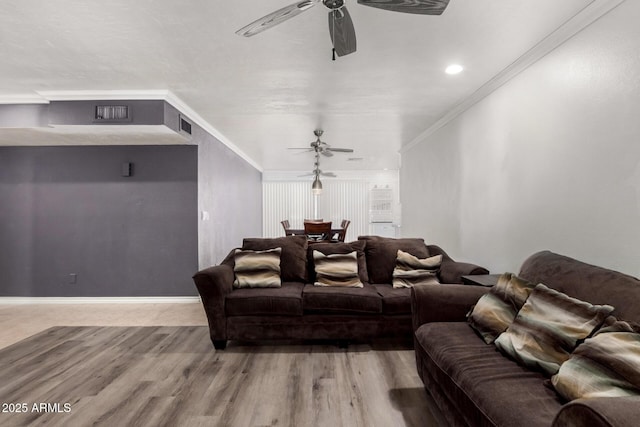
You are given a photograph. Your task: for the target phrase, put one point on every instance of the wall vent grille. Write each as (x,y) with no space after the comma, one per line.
(185,126)
(112,113)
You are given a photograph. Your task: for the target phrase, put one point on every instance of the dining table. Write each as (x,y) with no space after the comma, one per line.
(301,232)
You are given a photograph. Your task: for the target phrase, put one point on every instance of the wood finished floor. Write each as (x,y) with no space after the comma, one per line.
(172,376)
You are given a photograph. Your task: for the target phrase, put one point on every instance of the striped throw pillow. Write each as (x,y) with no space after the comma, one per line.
(411,270)
(548,327)
(257,269)
(607,365)
(337,270)
(496,310)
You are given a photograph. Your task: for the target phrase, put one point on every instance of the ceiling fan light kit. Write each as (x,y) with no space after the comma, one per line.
(341,29)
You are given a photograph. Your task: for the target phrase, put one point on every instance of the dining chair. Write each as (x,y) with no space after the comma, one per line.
(287,227)
(314,220)
(318,231)
(342,233)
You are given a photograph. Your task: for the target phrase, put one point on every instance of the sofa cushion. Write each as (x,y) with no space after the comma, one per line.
(381,253)
(336,270)
(336,300)
(607,365)
(257,269)
(293,261)
(394,300)
(481,381)
(340,248)
(496,310)
(548,327)
(285,301)
(411,270)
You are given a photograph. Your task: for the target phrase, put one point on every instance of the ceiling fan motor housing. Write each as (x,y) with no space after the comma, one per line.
(333,4)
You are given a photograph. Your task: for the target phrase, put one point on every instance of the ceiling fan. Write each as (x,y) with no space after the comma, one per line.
(321,147)
(341,30)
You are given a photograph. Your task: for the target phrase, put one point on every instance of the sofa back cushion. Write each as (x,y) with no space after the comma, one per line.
(293,260)
(381,253)
(586,282)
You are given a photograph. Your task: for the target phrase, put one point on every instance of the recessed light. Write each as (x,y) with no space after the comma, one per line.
(454,69)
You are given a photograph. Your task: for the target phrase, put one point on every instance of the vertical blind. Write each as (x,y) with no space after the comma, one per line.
(293,201)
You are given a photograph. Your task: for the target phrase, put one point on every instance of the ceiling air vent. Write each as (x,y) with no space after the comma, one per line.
(185,126)
(112,113)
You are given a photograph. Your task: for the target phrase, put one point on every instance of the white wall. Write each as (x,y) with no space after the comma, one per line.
(551,160)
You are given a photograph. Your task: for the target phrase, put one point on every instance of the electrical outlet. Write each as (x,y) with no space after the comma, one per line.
(73,278)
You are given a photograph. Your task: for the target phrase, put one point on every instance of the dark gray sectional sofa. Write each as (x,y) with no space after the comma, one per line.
(300,310)
(475,385)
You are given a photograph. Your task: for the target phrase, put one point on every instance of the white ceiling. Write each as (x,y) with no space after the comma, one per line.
(269,92)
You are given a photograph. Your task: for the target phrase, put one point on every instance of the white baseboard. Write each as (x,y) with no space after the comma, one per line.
(98,300)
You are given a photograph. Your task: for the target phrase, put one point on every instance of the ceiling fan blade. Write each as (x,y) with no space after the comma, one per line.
(422,7)
(326,153)
(275,18)
(343,35)
(340,150)
(329,174)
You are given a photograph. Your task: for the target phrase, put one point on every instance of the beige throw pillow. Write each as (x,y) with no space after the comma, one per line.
(607,365)
(496,310)
(548,327)
(411,270)
(257,269)
(337,270)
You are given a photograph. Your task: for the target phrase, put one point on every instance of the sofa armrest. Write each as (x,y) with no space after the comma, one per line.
(452,271)
(214,283)
(600,411)
(443,303)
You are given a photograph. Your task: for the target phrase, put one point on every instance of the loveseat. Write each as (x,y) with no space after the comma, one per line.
(476,384)
(296,309)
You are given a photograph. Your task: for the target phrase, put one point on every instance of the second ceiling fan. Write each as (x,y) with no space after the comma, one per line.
(341,30)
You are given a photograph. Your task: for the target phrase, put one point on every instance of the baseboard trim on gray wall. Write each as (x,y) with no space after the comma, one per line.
(98,300)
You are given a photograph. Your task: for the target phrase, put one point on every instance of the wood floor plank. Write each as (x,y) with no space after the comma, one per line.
(172,376)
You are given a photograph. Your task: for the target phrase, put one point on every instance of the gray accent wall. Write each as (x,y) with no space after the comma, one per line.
(72,225)
(230,193)
(68,211)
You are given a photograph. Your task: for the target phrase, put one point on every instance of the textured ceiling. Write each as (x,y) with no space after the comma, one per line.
(269,92)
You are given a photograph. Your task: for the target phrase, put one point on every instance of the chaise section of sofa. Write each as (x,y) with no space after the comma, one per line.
(300,310)
(476,385)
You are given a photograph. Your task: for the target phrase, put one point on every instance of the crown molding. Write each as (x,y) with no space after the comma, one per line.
(23,99)
(98,300)
(581,20)
(45,97)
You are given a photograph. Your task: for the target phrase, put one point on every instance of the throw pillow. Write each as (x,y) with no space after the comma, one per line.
(607,365)
(294,254)
(337,270)
(496,310)
(382,252)
(548,328)
(411,270)
(340,248)
(257,269)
